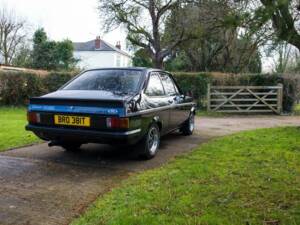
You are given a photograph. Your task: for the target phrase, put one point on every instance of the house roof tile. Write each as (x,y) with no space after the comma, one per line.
(90,46)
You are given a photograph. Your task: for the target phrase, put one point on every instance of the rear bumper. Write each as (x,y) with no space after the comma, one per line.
(85,136)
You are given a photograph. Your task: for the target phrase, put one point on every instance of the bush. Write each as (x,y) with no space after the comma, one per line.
(195,84)
(17,87)
(245,79)
(54,81)
(291,92)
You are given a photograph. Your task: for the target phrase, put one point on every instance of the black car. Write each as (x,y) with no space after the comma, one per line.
(133,106)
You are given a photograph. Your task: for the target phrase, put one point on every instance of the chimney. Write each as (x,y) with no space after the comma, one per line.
(118,45)
(97,42)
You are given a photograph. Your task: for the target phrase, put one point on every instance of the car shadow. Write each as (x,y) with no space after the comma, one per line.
(119,152)
(113,157)
(125,157)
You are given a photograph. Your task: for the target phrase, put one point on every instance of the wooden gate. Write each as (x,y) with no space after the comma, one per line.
(245,99)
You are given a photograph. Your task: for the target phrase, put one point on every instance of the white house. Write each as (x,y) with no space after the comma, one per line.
(98,53)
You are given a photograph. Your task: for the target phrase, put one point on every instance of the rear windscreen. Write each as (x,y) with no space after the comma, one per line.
(120,81)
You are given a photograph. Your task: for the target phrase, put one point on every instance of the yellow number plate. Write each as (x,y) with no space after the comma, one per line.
(72,120)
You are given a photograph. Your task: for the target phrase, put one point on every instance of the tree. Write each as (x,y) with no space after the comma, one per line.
(51,55)
(142,59)
(217,46)
(22,57)
(145,22)
(12,34)
(284,15)
(271,20)
(64,54)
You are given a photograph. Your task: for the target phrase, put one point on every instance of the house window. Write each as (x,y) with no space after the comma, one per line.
(118,61)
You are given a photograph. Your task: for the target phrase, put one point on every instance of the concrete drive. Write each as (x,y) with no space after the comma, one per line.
(41,185)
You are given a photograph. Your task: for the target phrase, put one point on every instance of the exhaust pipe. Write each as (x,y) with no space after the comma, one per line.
(54,143)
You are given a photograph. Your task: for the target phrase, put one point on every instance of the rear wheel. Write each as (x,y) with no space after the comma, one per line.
(149,145)
(71,147)
(189,125)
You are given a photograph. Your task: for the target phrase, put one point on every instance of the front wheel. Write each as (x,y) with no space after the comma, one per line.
(189,125)
(149,145)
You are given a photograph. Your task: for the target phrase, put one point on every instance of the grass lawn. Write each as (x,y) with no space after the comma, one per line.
(12,129)
(248,178)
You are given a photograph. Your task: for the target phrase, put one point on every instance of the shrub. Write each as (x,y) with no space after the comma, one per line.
(291,91)
(246,79)
(54,81)
(194,84)
(17,87)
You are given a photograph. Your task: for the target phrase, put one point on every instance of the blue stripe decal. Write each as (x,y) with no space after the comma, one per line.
(77,109)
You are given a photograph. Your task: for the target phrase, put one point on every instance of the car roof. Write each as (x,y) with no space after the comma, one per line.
(145,69)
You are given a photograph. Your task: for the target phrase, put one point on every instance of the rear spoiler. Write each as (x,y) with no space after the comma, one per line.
(76,102)
(80,106)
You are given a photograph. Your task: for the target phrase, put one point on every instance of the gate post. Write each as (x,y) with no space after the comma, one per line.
(208,97)
(279,98)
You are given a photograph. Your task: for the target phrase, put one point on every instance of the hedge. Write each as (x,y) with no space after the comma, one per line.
(194,84)
(197,83)
(17,87)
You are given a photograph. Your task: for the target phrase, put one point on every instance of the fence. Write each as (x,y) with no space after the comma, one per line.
(245,99)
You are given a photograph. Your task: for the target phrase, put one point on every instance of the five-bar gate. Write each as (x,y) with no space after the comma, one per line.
(245,99)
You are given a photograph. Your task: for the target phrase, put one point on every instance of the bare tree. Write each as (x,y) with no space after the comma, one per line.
(145,23)
(11,34)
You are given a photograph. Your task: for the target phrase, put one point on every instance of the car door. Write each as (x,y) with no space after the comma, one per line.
(156,98)
(175,99)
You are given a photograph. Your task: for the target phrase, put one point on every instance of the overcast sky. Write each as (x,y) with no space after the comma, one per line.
(76,20)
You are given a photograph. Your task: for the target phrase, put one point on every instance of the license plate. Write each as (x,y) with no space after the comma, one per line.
(81,121)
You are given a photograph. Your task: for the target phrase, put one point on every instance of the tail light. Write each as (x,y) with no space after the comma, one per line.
(33,117)
(116,122)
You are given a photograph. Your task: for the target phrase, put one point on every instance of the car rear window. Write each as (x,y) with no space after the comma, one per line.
(120,81)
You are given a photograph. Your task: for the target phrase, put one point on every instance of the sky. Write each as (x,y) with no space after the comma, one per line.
(77,20)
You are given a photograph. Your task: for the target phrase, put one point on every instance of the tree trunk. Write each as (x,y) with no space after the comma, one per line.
(158,63)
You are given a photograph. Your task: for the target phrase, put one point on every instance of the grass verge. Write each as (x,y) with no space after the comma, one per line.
(12,131)
(248,178)
(210,114)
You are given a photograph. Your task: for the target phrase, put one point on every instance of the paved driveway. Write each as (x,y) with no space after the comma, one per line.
(41,185)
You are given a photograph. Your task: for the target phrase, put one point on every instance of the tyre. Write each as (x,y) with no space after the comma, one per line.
(189,125)
(71,147)
(149,145)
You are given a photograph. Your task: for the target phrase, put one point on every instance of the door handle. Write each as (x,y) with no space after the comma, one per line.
(170,101)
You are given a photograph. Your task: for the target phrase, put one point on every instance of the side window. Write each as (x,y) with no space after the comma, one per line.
(155,87)
(168,84)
